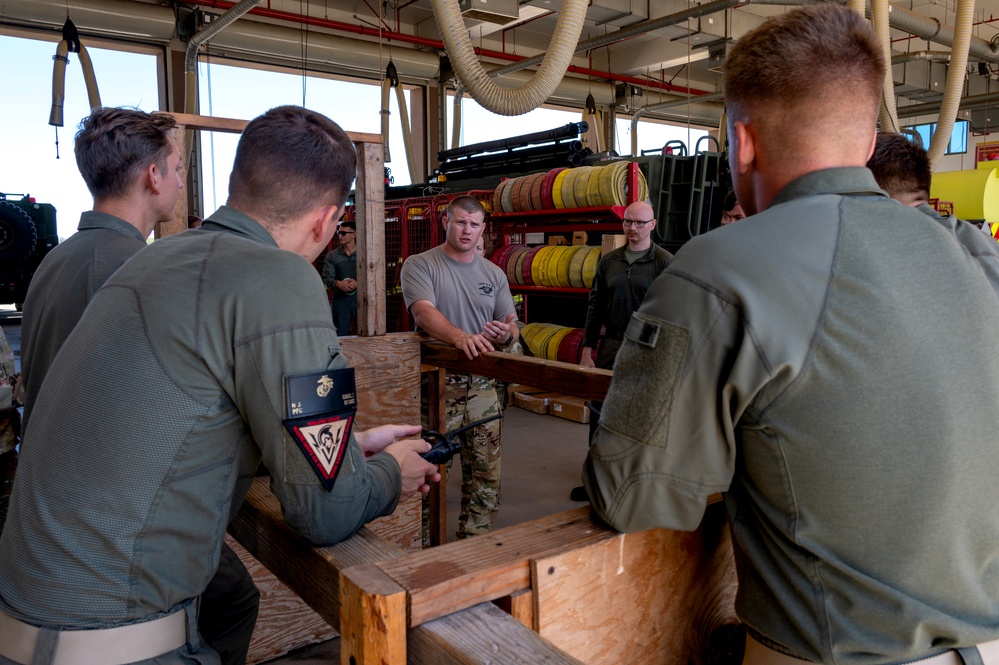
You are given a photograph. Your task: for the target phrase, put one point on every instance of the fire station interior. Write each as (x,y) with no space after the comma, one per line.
(555,197)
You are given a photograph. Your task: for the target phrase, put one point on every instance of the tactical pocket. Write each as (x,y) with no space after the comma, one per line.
(646,373)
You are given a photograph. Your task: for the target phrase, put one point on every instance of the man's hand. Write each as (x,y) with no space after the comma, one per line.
(498,332)
(376,439)
(586,357)
(473,345)
(346,285)
(417,473)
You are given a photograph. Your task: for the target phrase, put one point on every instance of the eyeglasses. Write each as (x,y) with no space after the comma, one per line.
(343,233)
(637,223)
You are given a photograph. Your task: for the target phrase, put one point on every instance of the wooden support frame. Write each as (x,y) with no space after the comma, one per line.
(369,198)
(574,590)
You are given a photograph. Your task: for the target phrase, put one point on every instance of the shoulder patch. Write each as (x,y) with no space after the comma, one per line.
(320,415)
(324,443)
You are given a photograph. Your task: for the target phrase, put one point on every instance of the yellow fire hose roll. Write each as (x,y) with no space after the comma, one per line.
(590,266)
(579,186)
(551,349)
(553,265)
(557,188)
(564,262)
(576,267)
(539,267)
(568,198)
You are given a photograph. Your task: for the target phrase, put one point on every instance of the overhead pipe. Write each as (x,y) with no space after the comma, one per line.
(964,18)
(927,56)
(930,108)
(451,26)
(201,37)
(437,44)
(718,96)
(107,18)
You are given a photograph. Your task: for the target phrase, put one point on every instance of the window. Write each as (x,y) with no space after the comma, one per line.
(958,137)
(228,91)
(30,164)
(479,125)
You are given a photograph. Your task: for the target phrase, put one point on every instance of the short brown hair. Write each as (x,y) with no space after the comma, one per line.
(900,166)
(814,67)
(469,204)
(115,145)
(288,161)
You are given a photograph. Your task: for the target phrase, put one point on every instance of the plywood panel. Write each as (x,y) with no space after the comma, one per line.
(659,596)
(387,371)
(284,622)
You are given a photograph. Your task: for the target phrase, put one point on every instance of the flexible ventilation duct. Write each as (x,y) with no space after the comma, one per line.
(963,23)
(474,78)
(880,10)
(202,37)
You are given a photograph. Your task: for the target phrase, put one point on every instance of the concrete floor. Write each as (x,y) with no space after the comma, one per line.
(542,459)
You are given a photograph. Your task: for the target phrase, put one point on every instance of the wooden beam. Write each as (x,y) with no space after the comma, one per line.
(369,202)
(387,375)
(437,499)
(373,622)
(452,577)
(235,126)
(565,378)
(312,572)
(481,635)
(519,605)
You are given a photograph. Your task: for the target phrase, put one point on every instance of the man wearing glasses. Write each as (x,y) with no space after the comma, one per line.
(619,285)
(340,275)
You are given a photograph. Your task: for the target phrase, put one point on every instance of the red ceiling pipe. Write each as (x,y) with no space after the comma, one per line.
(433,43)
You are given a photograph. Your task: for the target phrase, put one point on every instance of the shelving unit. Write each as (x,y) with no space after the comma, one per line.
(512,228)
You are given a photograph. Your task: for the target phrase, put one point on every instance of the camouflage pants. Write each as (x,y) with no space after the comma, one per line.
(469,398)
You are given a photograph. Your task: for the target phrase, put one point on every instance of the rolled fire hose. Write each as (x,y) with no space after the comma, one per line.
(474,78)
(70,42)
(964,20)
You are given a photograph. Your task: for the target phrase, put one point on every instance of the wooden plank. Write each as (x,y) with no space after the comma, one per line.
(452,577)
(387,373)
(436,420)
(284,622)
(551,375)
(659,596)
(373,622)
(369,202)
(179,221)
(235,126)
(312,572)
(519,605)
(481,635)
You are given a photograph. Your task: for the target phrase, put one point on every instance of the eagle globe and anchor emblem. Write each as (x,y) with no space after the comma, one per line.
(324,386)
